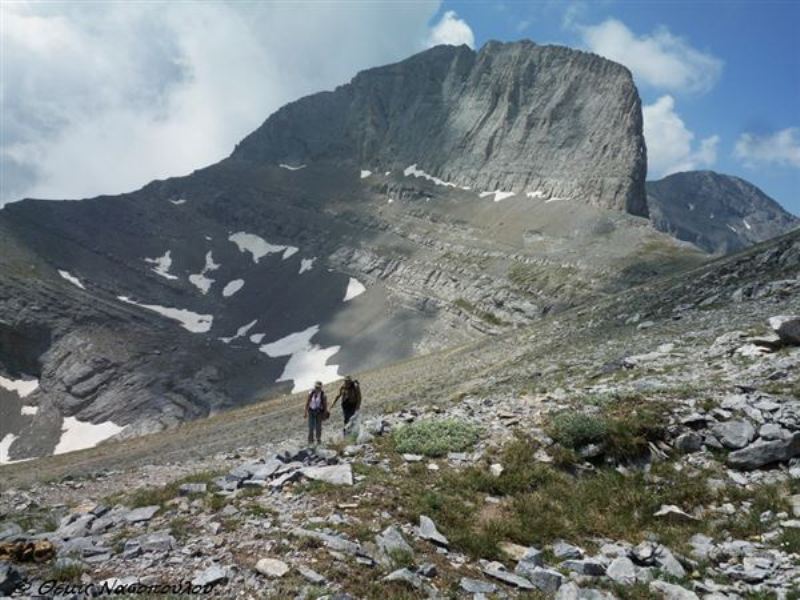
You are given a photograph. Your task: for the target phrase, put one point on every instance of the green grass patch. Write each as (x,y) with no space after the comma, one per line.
(158,496)
(435,437)
(65,571)
(623,427)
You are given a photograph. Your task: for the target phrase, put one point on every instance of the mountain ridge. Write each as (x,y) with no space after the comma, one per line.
(480,119)
(717,212)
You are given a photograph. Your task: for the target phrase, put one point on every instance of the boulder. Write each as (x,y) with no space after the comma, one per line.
(140,515)
(622,570)
(545,580)
(761,453)
(475,586)
(334,542)
(734,434)
(669,591)
(688,442)
(428,531)
(406,576)
(334,474)
(213,575)
(272,567)
(311,575)
(391,541)
(666,561)
(564,550)
(265,470)
(673,514)
(787,327)
(159,541)
(75,527)
(588,567)
(499,572)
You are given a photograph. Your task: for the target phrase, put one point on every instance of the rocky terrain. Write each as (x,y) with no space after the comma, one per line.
(644,446)
(505,192)
(718,213)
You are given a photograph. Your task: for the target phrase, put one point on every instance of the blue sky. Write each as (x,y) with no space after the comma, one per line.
(741,84)
(103,97)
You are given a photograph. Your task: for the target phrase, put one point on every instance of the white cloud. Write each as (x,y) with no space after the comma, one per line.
(104,97)
(779,148)
(670,144)
(452,31)
(660,59)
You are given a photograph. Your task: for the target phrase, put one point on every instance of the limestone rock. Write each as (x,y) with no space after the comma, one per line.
(734,434)
(272,567)
(787,328)
(335,474)
(428,531)
(669,591)
(761,453)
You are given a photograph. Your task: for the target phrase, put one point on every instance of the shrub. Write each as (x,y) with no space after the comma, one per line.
(573,430)
(435,437)
(624,428)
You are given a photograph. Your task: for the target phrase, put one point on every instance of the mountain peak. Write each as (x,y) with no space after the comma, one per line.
(719,213)
(515,117)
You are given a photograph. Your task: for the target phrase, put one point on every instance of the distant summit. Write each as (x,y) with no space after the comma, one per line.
(718,213)
(512,117)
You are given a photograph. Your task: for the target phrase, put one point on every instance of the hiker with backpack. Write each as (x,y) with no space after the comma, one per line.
(316,412)
(350,394)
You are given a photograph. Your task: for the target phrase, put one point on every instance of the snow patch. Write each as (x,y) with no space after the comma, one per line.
(22,387)
(199,280)
(241,332)
(257,246)
(691,206)
(365,173)
(232,287)
(77,435)
(307,361)
(5,445)
(354,288)
(498,195)
(306,264)
(162,265)
(71,278)
(535,194)
(290,167)
(555,199)
(30,410)
(732,228)
(179,201)
(290,251)
(257,338)
(415,172)
(191,321)
(746,224)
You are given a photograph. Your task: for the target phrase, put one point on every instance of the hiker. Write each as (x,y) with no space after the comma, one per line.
(316,412)
(350,393)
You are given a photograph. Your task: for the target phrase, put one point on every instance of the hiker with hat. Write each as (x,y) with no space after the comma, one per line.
(316,412)
(350,394)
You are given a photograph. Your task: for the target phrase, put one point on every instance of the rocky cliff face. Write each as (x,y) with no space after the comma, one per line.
(718,213)
(545,120)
